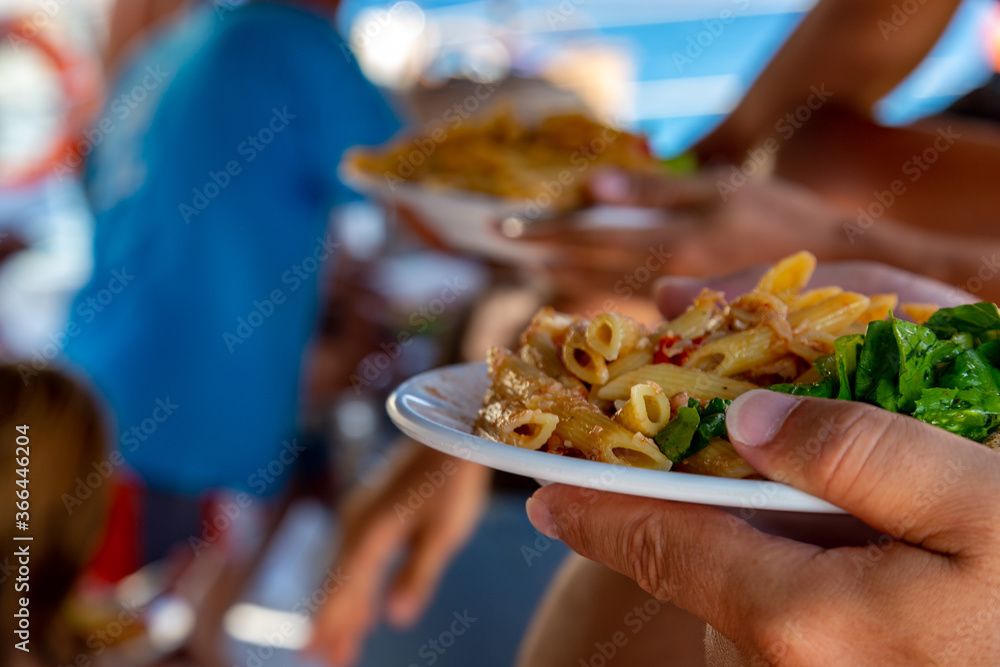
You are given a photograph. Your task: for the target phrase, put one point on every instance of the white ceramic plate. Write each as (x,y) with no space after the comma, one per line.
(470,221)
(438,408)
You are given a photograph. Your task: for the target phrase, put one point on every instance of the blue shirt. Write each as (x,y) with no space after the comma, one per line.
(212,179)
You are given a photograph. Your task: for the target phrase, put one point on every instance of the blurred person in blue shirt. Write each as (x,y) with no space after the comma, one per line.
(212,178)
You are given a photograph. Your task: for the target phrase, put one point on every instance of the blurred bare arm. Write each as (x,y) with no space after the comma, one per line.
(131,20)
(852,50)
(763,222)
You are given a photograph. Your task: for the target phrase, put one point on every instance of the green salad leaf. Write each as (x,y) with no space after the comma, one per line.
(972,413)
(690,431)
(674,440)
(826,366)
(980,320)
(946,372)
(877,378)
(971,371)
(825,388)
(920,353)
(846,350)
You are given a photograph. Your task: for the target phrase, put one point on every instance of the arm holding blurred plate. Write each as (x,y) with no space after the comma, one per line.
(761,222)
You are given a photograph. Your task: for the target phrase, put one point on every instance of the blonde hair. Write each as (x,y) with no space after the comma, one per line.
(66,437)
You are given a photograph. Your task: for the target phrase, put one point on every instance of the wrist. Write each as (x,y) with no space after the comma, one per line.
(889,242)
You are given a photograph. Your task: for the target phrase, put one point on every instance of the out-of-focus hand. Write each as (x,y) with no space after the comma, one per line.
(428,503)
(927,592)
(675,293)
(713,227)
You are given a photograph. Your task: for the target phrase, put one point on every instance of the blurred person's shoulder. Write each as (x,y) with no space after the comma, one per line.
(281,31)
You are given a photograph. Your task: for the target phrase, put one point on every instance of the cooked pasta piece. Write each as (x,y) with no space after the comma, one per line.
(738,352)
(612,335)
(674,380)
(608,391)
(879,308)
(529,429)
(582,360)
(786,278)
(515,381)
(718,459)
(830,315)
(700,319)
(646,411)
(637,358)
(919,312)
(584,427)
(814,296)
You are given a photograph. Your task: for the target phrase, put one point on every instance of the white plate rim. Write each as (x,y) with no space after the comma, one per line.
(410,401)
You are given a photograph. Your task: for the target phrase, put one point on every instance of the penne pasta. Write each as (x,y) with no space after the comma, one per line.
(612,335)
(584,428)
(919,312)
(609,391)
(879,307)
(637,358)
(530,429)
(786,278)
(698,320)
(646,411)
(830,315)
(718,459)
(737,353)
(675,380)
(582,360)
(814,296)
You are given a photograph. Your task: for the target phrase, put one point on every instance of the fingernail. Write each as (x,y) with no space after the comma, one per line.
(541,518)
(755,417)
(611,185)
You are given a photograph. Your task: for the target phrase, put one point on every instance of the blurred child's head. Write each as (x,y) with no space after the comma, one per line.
(65,438)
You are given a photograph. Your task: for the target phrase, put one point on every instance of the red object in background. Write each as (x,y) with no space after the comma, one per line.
(80,84)
(119,554)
